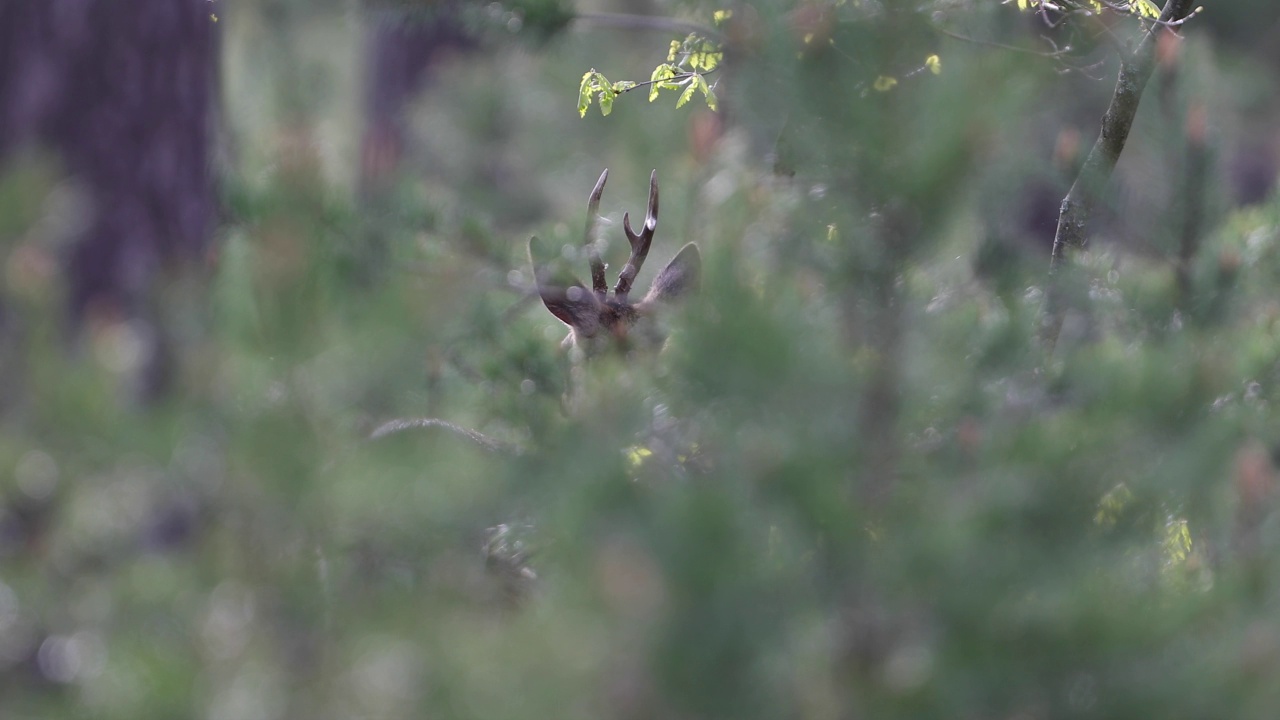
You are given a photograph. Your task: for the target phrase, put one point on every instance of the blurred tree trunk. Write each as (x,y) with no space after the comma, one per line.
(403,47)
(121,92)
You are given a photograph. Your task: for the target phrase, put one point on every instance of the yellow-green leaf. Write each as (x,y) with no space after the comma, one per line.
(1177,541)
(584,93)
(659,78)
(686,95)
(1145,8)
(1112,505)
(637,455)
(884,83)
(705,55)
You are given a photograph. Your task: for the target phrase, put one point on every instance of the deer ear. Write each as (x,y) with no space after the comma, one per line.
(575,306)
(562,294)
(679,278)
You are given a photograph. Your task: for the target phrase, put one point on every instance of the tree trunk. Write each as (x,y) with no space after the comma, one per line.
(121,92)
(402,46)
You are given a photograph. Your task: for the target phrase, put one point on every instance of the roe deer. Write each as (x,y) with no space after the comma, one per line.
(597,321)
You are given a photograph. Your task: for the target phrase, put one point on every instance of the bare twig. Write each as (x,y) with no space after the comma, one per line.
(1057,54)
(398,425)
(680,78)
(1014,48)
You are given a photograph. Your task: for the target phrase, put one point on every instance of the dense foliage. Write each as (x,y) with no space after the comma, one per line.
(853,485)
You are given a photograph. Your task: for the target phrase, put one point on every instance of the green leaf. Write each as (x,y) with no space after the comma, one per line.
(595,84)
(686,95)
(659,79)
(584,93)
(707,93)
(706,55)
(1145,8)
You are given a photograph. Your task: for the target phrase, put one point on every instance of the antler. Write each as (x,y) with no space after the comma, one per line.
(639,242)
(592,239)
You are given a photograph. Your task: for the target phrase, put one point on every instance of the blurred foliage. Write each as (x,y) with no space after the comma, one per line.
(851,486)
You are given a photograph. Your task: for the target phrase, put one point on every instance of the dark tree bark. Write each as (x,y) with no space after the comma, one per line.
(121,92)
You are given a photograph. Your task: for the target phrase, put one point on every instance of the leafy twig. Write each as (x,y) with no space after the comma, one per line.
(688,63)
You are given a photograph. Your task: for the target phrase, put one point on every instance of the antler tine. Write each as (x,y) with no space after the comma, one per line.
(639,242)
(591,238)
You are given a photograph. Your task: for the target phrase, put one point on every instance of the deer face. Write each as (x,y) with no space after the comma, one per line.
(597,321)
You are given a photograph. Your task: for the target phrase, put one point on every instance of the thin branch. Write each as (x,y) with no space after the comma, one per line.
(1107,35)
(1002,46)
(1059,55)
(1081,200)
(398,425)
(681,78)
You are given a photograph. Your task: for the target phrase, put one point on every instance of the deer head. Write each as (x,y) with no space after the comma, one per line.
(597,321)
